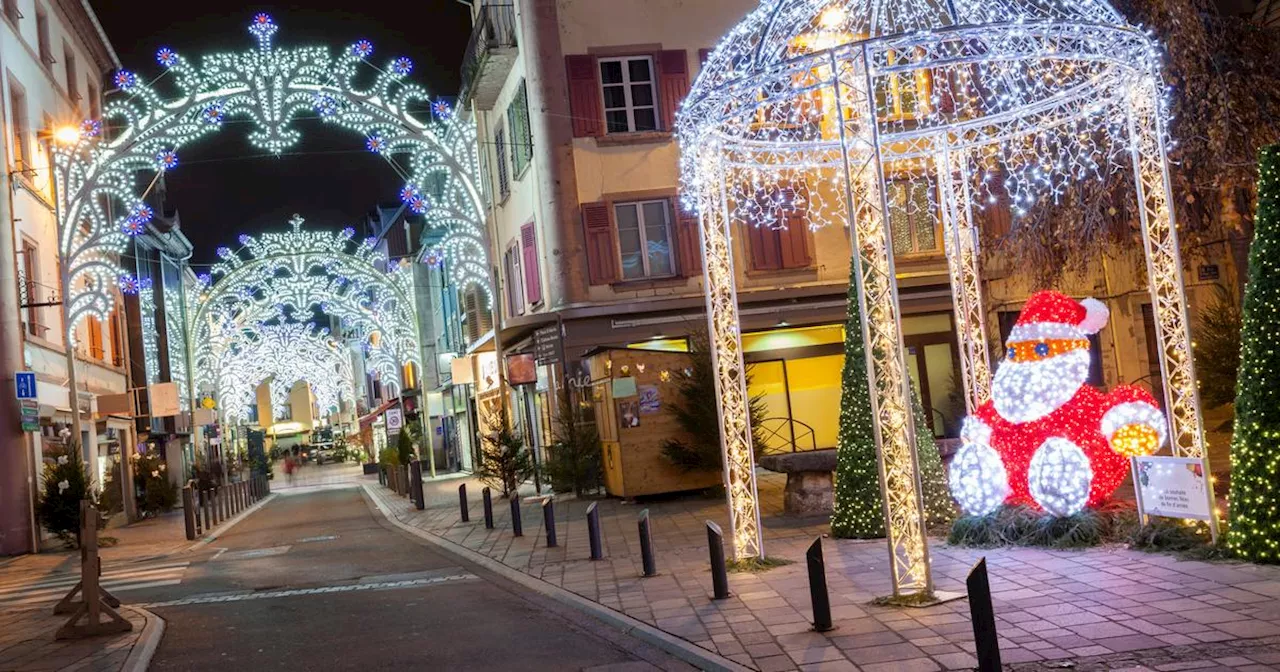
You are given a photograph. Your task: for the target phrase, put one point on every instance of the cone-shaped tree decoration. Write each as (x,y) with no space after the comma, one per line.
(1255,446)
(858,512)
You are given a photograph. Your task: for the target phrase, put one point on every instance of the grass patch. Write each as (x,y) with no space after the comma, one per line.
(1189,539)
(920,599)
(756,565)
(1112,522)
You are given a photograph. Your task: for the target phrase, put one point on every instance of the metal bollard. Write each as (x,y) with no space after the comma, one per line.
(517,526)
(188,513)
(593,532)
(549,520)
(415,479)
(462,503)
(818,587)
(646,545)
(488,508)
(719,572)
(205,508)
(982,614)
(217,505)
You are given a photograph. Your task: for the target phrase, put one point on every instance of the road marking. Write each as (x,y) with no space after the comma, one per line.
(109,572)
(55,594)
(254,553)
(327,537)
(51,587)
(295,592)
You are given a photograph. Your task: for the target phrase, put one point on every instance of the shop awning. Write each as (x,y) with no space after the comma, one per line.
(369,419)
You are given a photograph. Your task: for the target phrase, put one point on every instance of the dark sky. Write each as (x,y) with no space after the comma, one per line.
(223,186)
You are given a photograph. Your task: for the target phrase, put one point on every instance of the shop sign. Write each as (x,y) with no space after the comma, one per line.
(30,415)
(546,345)
(395,420)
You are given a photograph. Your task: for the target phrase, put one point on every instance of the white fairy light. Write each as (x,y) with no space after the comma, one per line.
(284,355)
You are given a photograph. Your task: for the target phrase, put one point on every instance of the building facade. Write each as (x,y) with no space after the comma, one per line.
(53,57)
(575,102)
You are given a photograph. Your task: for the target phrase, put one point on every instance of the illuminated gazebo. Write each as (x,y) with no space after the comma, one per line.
(884,115)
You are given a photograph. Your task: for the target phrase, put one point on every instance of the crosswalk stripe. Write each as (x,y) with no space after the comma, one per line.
(56,594)
(71,579)
(107,570)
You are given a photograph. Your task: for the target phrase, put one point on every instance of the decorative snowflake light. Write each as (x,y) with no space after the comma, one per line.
(270,87)
(908,120)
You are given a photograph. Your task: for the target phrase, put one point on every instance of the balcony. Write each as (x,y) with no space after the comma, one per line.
(490,54)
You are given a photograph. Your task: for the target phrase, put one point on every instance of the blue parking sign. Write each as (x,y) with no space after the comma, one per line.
(25,382)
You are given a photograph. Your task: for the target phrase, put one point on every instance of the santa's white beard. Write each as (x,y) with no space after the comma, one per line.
(1026,391)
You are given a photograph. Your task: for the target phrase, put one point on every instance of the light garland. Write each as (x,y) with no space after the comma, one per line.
(284,355)
(905,121)
(270,87)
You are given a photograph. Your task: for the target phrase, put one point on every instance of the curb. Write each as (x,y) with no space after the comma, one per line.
(232,522)
(148,641)
(679,648)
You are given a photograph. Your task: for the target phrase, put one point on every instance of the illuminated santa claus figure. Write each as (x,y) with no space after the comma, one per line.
(1046,438)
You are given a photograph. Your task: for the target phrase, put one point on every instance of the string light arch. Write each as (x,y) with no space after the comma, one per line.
(284,355)
(906,121)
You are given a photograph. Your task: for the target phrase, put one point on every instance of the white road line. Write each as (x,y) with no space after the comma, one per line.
(294,592)
(75,576)
(53,595)
(71,579)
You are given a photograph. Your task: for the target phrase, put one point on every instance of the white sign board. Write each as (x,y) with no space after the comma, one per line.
(1173,487)
(460,369)
(395,420)
(164,399)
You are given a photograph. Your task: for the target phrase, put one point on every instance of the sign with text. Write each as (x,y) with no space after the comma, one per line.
(1173,487)
(546,344)
(395,420)
(461,371)
(164,399)
(30,415)
(25,384)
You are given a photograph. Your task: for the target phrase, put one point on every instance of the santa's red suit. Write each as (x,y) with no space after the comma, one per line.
(1048,439)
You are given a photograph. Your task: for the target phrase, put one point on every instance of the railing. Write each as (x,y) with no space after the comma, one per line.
(495,28)
(787,432)
(207,508)
(32,294)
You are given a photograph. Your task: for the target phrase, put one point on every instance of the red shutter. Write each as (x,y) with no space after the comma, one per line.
(690,244)
(602,263)
(532,274)
(762,246)
(673,77)
(584,96)
(794,241)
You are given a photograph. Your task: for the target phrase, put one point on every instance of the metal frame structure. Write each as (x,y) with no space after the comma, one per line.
(991,101)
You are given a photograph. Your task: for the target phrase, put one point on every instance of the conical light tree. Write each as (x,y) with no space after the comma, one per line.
(1255,446)
(859,511)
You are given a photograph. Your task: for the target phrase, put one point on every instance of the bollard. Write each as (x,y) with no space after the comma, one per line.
(517,525)
(818,587)
(549,520)
(984,618)
(462,503)
(719,572)
(646,545)
(217,504)
(404,479)
(593,532)
(488,508)
(188,513)
(415,479)
(204,507)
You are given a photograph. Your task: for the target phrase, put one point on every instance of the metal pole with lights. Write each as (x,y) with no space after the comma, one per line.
(68,136)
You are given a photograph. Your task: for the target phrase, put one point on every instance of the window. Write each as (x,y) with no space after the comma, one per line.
(95,105)
(95,348)
(500,144)
(19,130)
(630,100)
(644,239)
(117,338)
(286,412)
(902,95)
(29,277)
(521,134)
(11,12)
(912,217)
(253,414)
(513,285)
(73,77)
(42,35)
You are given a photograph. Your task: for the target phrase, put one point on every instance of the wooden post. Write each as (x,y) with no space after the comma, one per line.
(96,602)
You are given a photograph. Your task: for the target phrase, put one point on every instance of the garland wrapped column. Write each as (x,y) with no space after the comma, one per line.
(1255,447)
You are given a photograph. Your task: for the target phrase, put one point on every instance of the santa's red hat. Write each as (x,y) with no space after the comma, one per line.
(1050,314)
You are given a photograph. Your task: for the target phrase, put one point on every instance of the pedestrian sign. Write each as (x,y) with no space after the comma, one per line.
(25,382)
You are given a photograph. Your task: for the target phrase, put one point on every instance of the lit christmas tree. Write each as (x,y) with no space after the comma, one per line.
(1255,454)
(858,512)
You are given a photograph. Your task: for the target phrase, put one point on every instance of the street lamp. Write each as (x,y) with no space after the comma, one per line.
(66,135)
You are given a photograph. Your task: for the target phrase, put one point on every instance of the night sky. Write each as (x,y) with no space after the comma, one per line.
(223,186)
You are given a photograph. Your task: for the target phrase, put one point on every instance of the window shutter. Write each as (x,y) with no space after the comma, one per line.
(532,274)
(997,217)
(763,244)
(690,244)
(602,265)
(673,77)
(794,241)
(584,96)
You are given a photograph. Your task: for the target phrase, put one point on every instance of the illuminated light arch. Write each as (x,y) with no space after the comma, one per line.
(279,275)
(100,205)
(284,355)
(903,120)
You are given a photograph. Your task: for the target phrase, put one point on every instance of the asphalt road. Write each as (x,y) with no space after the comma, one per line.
(320,581)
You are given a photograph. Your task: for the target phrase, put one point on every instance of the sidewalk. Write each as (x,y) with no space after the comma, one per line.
(27,643)
(1094,607)
(139,542)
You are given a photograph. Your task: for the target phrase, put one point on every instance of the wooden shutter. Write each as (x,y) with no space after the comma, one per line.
(584,96)
(997,218)
(673,78)
(602,255)
(532,274)
(763,245)
(793,241)
(690,244)
(95,337)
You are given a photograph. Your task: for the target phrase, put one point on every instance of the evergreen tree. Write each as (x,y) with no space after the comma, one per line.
(574,461)
(858,512)
(65,484)
(1255,446)
(504,463)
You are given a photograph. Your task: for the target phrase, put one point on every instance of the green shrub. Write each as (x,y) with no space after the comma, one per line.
(66,483)
(159,494)
(573,461)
